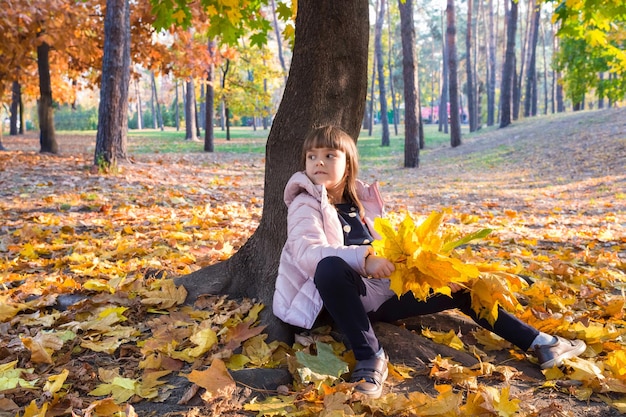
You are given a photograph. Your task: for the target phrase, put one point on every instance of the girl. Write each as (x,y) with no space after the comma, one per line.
(328,262)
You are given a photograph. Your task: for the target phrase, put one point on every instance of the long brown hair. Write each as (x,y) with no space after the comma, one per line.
(334,137)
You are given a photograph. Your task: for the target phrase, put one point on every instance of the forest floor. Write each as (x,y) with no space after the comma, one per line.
(553,189)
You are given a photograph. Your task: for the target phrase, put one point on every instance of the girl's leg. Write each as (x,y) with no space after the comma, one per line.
(340,287)
(506,326)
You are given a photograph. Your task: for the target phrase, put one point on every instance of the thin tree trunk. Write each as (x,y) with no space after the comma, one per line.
(370,121)
(152,101)
(382,94)
(412,116)
(47,136)
(279,42)
(455,119)
(190,112)
(176,106)
(394,108)
(545,69)
(209,132)
(226,110)
(530,99)
(16,97)
(158,116)
(113,111)
(139,110)
(508,69)
(471,109)
(443,101)
(491,66)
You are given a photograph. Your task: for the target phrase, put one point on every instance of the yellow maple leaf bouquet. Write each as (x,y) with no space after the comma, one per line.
(426,263)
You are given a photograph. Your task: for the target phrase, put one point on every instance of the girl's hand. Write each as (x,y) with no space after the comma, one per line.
(454,287)
(377,267)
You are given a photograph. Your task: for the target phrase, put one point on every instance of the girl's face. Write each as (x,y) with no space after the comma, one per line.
(327,167)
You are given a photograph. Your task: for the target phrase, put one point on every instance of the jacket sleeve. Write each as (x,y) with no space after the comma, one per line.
(310,238)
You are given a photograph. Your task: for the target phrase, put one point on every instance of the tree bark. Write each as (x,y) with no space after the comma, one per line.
(455,120)
(190,112)
(530,99)
(139,104)
(412,117)
(16,97)
(382,94)
(158,116)
(508,68)
(445,88)
(491,67)
(392,93)
(111,139)
(327,84)
(471,107)
(47,137)
(209,131)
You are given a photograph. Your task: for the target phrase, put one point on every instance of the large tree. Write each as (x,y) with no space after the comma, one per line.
(113,111)
(327,84)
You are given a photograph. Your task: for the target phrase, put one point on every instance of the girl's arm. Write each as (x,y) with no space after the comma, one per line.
(309,240)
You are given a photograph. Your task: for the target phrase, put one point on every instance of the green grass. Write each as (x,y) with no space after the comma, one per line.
(247,140)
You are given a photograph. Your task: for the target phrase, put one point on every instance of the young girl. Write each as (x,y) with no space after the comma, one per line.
(328,262)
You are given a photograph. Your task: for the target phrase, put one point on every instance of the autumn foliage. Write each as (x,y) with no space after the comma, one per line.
(92,324)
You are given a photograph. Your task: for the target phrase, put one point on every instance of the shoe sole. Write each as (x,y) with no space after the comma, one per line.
(558,361)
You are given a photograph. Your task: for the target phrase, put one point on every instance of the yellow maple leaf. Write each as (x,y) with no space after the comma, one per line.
(164,293)
(204,339)
(216,380)
(445,338)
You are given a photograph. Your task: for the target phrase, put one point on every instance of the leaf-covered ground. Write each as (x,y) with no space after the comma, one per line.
(552,189)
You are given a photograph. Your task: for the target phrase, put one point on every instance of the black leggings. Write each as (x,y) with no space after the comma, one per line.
(340,287)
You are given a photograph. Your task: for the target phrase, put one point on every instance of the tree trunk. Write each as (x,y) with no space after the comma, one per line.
(471,108)
(158,116)
(279,41)
(491,67)
(327,84)
(47,137)
(530,99)
(176,107)
(113,110)
(392,93)
(16,97)
(412,117)
(370,119)
(382,94)
(139,104)
(190,112)
(209,132)
(225,109)
(508,68)
(455,119)
(445,96)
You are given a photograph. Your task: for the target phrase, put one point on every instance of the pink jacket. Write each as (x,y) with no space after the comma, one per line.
(313,233)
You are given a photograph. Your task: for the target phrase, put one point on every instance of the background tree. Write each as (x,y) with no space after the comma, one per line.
(491,65)
(326,85)
(508,68)
(412,117)
(455,119)
(113,110)
(469,70)
(530,97)
(380,64)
